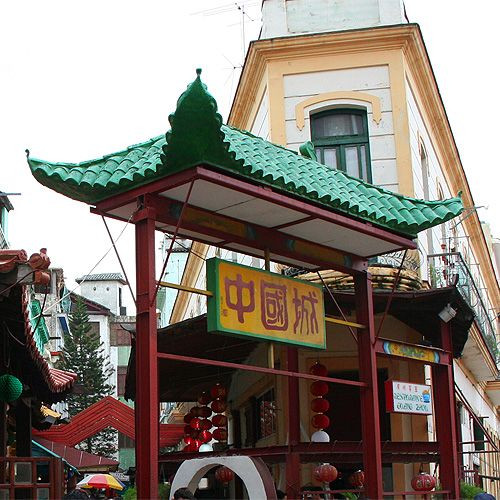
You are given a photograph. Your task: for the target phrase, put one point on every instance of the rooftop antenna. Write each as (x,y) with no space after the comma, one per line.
(232,7)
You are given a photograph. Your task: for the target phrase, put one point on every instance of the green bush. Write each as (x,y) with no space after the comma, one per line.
(469,490)
(163,491)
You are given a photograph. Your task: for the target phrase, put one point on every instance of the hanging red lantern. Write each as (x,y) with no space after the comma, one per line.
(219,406)
(325,473)
(219,420)
(319,388)
(319,370)
(193,433)
(423,482)
(220,434)
(320,405)
(218,391)
(195,411)
(195,423)
(204,398)
(204,412)
(224,474)
(188,417)
(188,440)
(357,479)
(205,436)
(205,424)
(320,421)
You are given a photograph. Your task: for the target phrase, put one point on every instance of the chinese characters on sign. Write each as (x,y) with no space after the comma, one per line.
(406,397)
(258,303)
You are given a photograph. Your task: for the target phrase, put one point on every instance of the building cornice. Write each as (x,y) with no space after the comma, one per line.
(405,38)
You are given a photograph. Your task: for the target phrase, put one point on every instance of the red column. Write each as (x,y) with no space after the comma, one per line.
(446,417)
(370,424)
(146,363)
(293,459)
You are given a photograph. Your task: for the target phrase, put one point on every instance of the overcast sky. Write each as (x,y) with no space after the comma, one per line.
(81,79)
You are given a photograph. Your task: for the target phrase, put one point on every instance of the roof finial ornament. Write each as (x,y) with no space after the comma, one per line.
(27,151)
(198,72)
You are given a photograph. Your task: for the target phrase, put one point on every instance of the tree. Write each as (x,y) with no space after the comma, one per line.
(84,355)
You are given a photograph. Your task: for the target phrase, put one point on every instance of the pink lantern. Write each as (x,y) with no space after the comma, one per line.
(325,473)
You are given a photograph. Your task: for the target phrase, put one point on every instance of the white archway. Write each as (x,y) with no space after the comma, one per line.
(252,471)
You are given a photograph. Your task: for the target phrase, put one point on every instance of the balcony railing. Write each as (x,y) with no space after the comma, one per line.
(3,240)
(446,269)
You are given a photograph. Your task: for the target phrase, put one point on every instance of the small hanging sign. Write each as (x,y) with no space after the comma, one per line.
(406,397)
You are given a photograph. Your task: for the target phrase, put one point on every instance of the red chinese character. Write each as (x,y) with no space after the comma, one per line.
(238,304)
(273,309)
(306,320)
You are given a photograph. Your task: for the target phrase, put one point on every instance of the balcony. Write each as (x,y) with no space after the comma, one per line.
(450,269)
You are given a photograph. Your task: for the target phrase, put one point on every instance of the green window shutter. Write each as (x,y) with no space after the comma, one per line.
(341,141)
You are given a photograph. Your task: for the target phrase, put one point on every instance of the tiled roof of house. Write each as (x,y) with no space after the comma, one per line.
(102,277)
(198,137)
(26,343)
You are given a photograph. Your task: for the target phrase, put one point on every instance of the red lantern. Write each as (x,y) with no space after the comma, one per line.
(219,406)
(218,391)
(224,474)
(220,434)
(423,482)
(325,473)
(204,399)
(188,417)
(205,424)
(205,436)
(320,421)
(319,370)
(204,412)
(319,388)
(219,420)
(320,405)
(195,411)
(195,423)
(193,433)
(188,440)
(357,479)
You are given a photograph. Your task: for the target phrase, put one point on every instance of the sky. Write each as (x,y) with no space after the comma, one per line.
(81,79)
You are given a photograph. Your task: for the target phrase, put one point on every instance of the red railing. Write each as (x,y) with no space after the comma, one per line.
(327,494)
(29,477)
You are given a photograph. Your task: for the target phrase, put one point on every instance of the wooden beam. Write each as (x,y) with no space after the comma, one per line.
(185,288)
(232,230)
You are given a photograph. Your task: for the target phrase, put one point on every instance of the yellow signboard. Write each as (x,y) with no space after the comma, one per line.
(249,301)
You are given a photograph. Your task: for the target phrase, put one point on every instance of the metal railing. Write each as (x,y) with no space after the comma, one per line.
(447,269)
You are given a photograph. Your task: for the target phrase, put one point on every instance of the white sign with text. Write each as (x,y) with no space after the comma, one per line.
(406,397)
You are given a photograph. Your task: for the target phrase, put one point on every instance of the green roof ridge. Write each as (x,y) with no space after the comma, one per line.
(198,137)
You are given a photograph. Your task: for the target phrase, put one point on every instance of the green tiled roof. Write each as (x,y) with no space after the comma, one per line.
(198,137)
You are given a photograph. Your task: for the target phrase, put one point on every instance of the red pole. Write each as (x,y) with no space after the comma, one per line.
(370,422)
(293,459)
(446,424)
(146,378)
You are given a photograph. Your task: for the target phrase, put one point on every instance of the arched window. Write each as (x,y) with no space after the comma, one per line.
(340,138)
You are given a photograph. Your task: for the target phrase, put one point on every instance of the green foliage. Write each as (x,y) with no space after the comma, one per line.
(350,495)
(84,355)
(163,492)
(469,490)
